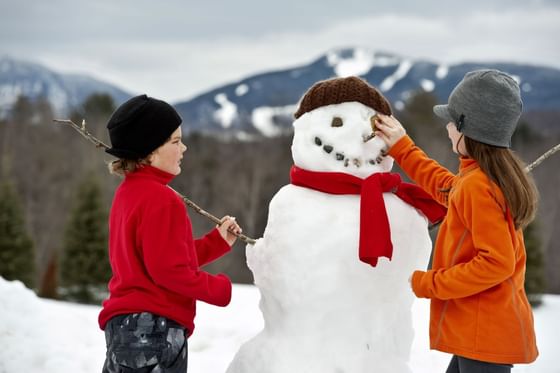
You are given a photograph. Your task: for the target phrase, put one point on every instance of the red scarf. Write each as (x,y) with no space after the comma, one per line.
(375,235)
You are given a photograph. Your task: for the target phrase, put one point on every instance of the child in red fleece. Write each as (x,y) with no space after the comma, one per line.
(155,260)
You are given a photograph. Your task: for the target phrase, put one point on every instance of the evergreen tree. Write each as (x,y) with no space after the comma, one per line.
(534,276)
(17,256)
(85,265)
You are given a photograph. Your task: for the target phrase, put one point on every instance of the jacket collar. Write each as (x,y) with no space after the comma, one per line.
(152,173)
(466,165)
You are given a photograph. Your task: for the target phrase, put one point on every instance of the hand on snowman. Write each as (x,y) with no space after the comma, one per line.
(229,229)
(389,129)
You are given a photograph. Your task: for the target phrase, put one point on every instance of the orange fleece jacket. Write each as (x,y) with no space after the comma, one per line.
(479,308)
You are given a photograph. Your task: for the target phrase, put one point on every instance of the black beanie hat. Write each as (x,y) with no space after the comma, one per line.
(140,126)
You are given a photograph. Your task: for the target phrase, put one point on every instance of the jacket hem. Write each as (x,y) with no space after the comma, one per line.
(486,356)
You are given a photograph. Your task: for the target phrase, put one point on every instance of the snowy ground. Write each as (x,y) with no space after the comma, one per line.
(44,336)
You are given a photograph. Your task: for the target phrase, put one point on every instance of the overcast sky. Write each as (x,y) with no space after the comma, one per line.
(175,49)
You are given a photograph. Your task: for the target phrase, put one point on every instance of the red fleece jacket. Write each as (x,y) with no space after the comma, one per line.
(153,255)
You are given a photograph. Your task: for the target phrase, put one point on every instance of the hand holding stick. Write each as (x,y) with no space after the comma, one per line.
(99,144)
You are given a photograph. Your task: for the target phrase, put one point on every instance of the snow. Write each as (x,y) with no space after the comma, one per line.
(360,63)
(45,336)
(263,118)
(427,85)
(241,89)
(314,288)
(346,140)
(385,60)
(401,72)
(442,71)
(227,111)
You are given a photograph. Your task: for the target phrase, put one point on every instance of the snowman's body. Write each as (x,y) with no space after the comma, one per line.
(325,311)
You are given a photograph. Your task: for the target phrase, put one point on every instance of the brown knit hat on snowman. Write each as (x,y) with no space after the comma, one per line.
(339,90)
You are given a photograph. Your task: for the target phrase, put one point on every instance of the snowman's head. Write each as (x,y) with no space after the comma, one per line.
(333,127)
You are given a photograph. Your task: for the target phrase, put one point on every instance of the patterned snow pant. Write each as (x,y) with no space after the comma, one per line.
(145,343)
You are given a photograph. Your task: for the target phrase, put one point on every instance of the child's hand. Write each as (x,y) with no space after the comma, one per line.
(228,229)
(389,129)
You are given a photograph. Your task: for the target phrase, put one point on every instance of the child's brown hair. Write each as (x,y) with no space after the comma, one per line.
(503,167)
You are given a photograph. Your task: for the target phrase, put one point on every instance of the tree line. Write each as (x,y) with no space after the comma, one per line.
(55,194)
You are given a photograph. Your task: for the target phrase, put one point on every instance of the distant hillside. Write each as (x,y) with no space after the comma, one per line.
(264,103)
(63,91)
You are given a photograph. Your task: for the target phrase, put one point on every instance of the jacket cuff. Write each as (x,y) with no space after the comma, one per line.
(403,143)
(224,288)
(217,239)
(415,283)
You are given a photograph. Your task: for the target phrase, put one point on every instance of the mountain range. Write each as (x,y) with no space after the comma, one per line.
(63,91)
(263,104)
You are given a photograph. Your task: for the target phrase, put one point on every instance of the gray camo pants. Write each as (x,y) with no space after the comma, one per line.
(460,364)
(145,343)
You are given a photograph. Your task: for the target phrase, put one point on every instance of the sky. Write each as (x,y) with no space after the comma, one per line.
(176,49)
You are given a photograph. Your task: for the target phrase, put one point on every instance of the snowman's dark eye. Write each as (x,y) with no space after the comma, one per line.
(336,122)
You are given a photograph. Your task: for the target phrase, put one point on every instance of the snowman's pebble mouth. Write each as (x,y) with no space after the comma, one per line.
(339,155)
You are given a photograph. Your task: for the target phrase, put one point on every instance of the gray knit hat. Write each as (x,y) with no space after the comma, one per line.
(485,106)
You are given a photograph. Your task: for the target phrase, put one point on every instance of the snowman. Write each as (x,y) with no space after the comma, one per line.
(340,243)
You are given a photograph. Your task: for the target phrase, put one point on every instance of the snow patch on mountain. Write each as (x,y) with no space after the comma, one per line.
(241,90)
(263,118)
(357,63)
(442,71)
(227,112)
(401,72)
(427,85)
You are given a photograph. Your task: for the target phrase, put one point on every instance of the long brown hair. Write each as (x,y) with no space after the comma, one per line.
(504,168)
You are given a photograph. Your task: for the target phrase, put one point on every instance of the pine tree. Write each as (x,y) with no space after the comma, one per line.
(85,266)
(17,256)
(534,276)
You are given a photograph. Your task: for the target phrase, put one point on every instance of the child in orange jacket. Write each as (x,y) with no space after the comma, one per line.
(479,311)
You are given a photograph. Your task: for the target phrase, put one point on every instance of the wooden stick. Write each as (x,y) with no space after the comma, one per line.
(99,144)
(539,160)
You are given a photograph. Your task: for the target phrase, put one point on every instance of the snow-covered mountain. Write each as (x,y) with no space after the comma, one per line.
(264,103)
(63,91)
